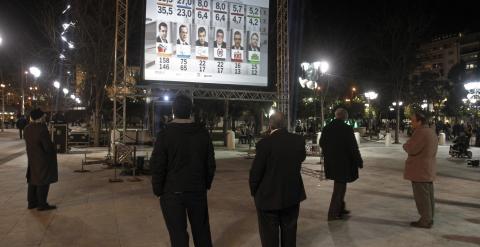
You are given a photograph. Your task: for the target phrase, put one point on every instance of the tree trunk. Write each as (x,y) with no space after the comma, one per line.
(322,112)
(96,121)
(397,127)
(225,124)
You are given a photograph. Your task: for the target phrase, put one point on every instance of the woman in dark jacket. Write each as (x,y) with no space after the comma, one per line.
(42,162)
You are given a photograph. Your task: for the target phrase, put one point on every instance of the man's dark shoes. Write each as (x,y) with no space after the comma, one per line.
(47,207)
(418,224)
(338,217)
(344,211)
(32,206)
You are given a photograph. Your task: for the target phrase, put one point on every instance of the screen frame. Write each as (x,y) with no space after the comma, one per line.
(272,58)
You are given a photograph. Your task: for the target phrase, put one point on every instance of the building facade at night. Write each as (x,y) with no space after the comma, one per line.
(442,53)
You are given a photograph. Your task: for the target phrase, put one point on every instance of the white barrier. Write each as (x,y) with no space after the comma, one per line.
(357,138)
(442,139)
(230,140)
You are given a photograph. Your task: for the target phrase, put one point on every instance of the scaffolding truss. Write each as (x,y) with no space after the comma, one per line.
(120,71)
(216,94)
(282,75)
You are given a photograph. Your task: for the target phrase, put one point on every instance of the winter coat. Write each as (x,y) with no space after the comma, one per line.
(422,151)
(275,179)
(183,159)
(42,156)
(340,150)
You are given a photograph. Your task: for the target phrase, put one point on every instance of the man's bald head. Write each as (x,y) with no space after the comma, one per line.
(277,121)
(341,114)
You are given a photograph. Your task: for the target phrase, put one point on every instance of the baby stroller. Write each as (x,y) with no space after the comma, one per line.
(460,147)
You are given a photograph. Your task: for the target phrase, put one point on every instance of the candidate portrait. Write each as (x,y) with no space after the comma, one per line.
(220,39)
(182,35)
(237,41)
(254,42)
(201,37)
(162,33)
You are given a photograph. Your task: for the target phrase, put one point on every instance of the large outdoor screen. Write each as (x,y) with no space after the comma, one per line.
(207,41)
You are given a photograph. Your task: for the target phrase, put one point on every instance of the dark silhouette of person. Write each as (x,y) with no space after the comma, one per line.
(342,160)
(183,167)
(21,124)
(276,183)
(42,167)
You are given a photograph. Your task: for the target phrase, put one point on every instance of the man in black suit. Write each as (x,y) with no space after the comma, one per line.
(342,160)
(237,41)
(219,42)
(162,33)
(183,35)
(202,36)
(276,183)
(253,46)
(183,166)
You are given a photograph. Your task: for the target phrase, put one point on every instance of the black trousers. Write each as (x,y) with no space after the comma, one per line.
(337,203)
(278,224)
(37,195)
(176,207)
(21,133)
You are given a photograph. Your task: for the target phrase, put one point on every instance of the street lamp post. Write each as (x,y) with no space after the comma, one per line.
(36,73)
(3,106)
(371,95)
(311,77)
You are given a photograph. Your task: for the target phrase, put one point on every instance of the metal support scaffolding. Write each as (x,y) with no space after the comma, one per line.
(283,75)
(215,94)
(120,71)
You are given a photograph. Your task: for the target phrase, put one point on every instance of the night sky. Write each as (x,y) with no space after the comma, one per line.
(336,30)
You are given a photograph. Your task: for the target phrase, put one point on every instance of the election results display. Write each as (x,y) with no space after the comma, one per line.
(207,41)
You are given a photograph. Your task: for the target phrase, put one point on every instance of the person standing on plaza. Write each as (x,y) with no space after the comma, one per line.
(183,167)
(276,183)
(42,167)
(21,124)
(420,168)
(342,161)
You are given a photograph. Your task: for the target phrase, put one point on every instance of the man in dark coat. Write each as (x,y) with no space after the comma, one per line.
(183,167)
(42,162)
(276,183)
(342,160)
(21,124)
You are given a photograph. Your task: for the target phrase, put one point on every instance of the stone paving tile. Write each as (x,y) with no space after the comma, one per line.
(93,212)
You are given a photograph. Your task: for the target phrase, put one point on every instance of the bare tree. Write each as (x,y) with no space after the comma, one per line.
(397,30)
(94,36)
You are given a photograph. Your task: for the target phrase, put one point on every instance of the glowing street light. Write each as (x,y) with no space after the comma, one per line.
(1,40)
(371,95)
(65,11)
(56,84)
(399,103)
(65,91)
(166,98)
(472,86)
(310,81)
(324,66)
(78,100)
(35,71)
(72,96)
(271,112)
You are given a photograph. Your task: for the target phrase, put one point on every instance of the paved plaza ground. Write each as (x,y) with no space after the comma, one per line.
(93,212)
